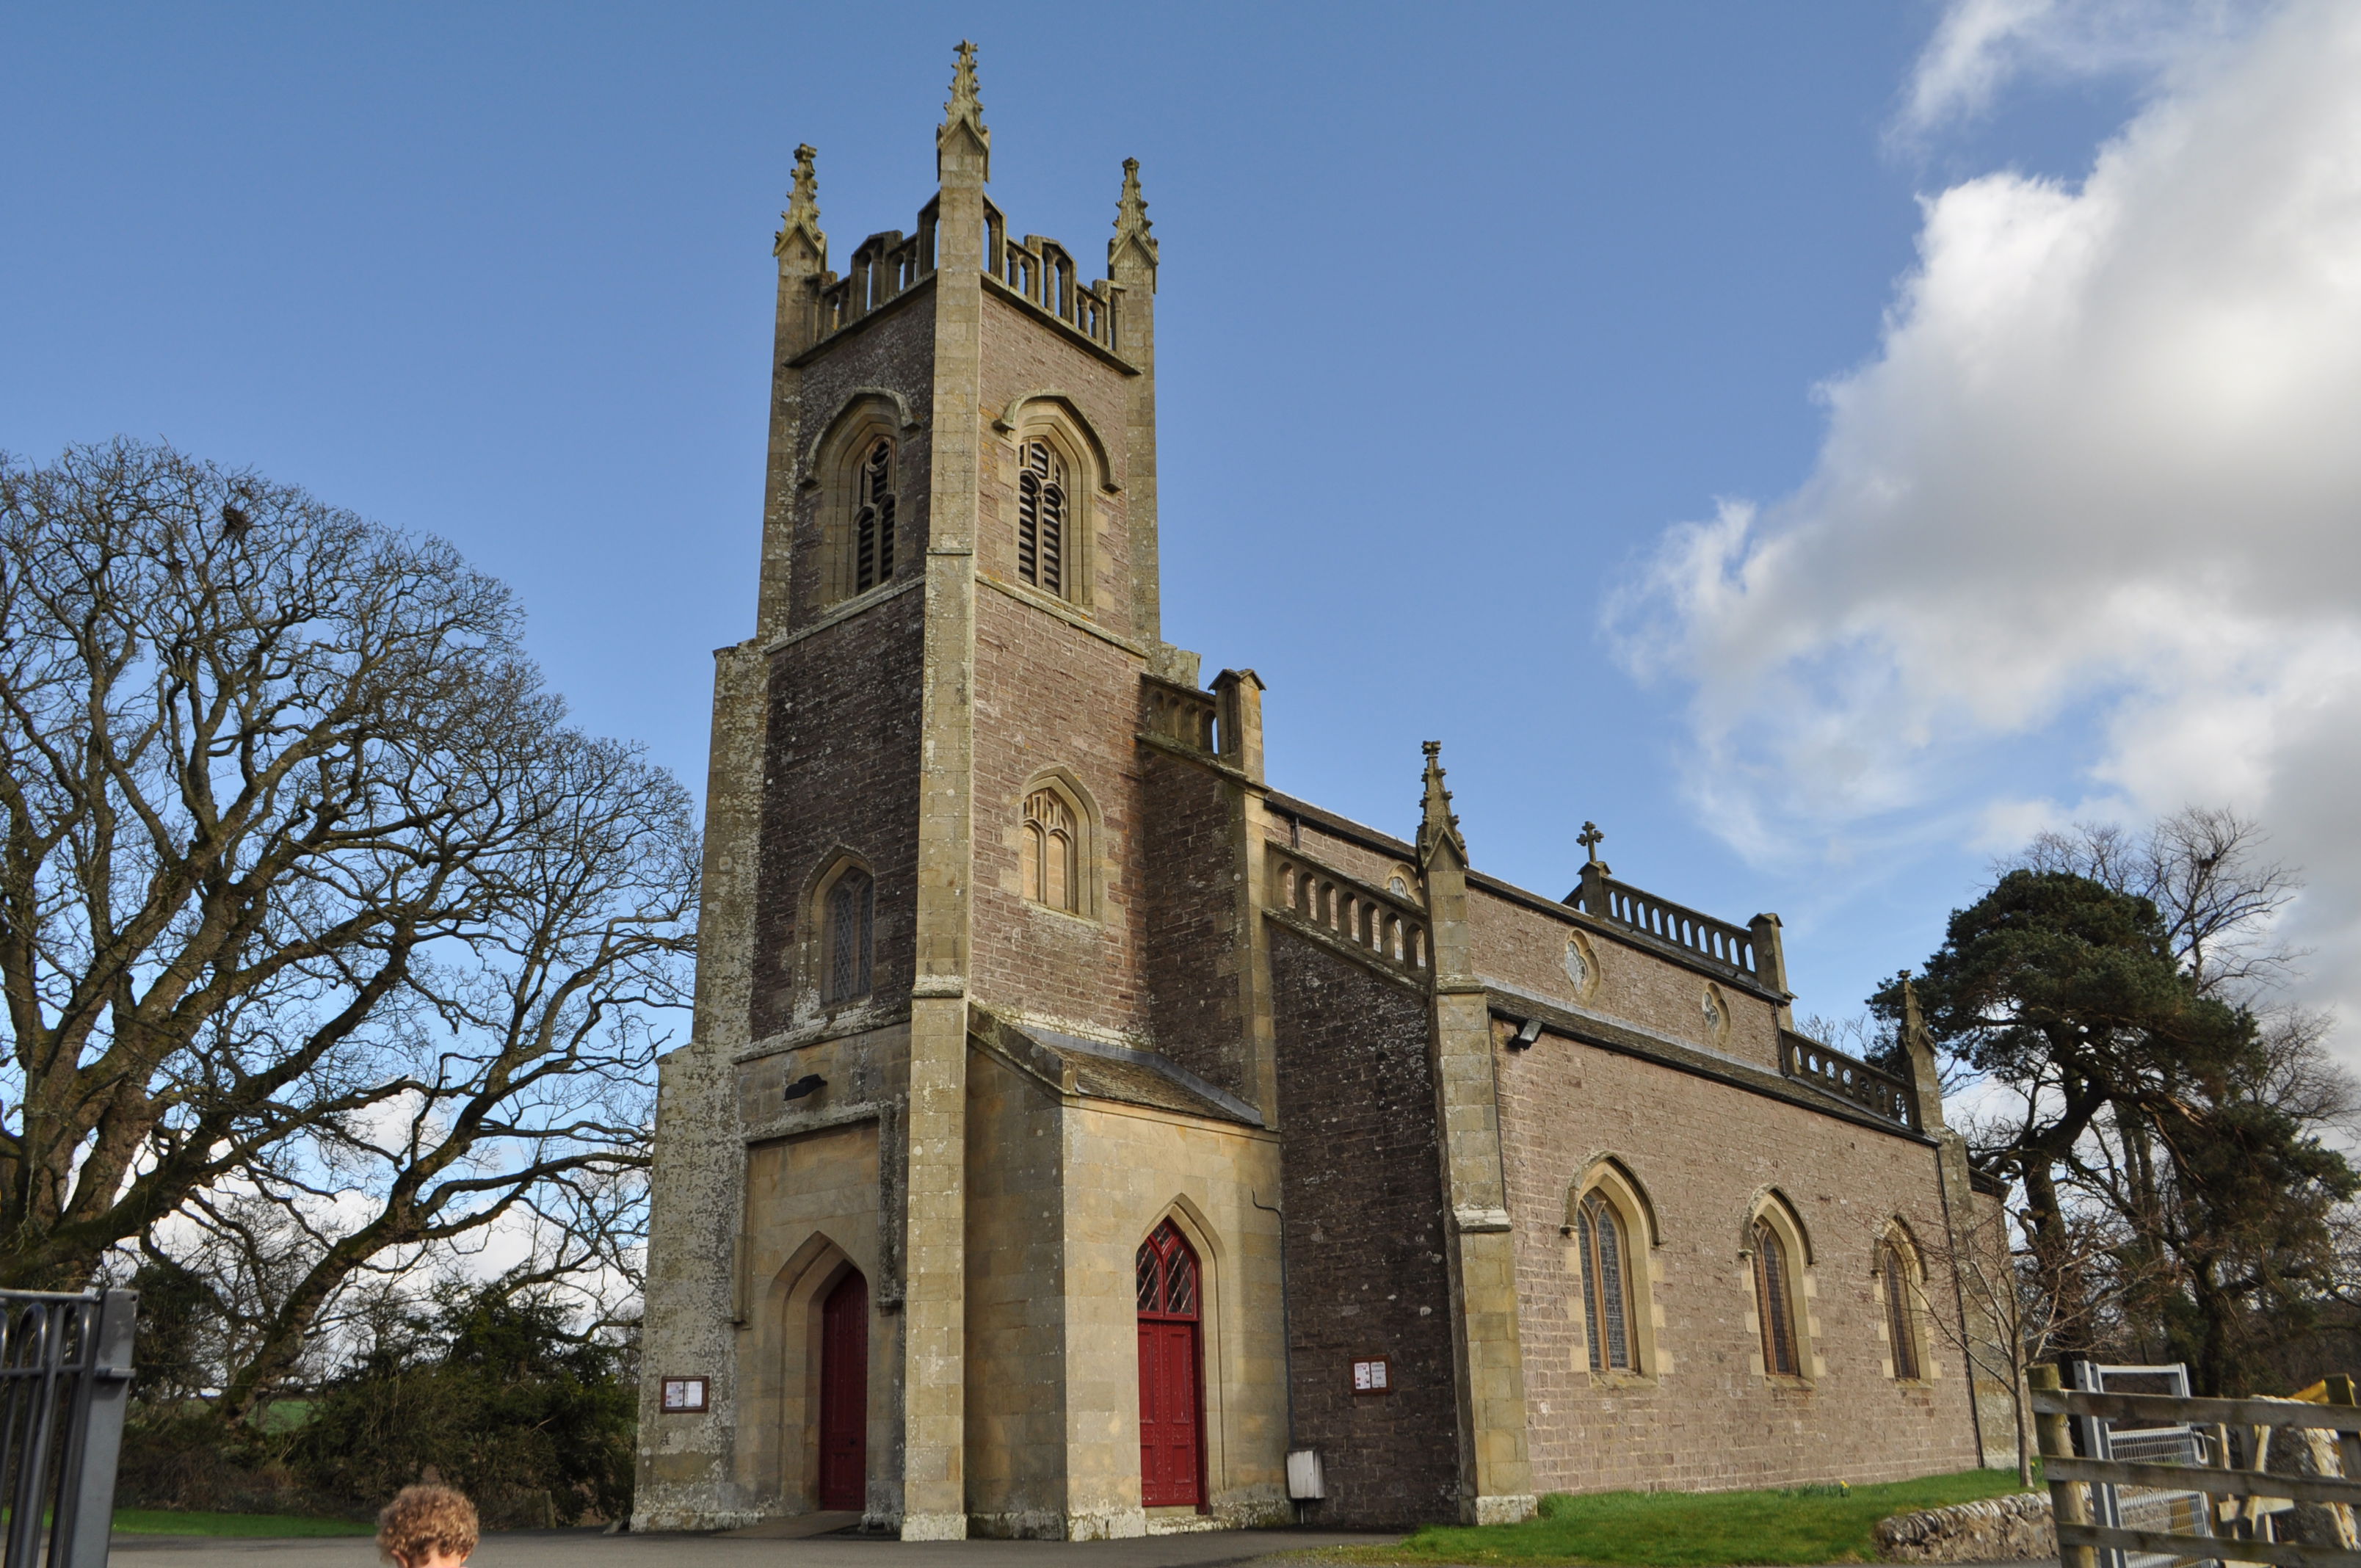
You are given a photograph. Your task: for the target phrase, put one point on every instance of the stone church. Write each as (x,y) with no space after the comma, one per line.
(1079,1137)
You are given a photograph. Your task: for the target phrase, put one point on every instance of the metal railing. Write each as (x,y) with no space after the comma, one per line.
(65,1375)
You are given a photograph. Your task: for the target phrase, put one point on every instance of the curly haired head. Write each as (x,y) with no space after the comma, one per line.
(427,1525)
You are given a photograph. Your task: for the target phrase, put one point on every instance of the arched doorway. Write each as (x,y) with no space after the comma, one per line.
(1171,1373)
(844,1394)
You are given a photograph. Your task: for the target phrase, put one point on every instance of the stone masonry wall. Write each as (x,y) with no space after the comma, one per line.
(1015,1305)
(842,775)
(1128,1167)
(1365,1273)
(1190,858)
(1373,865)
(1024,356)
(1526,948)
(811,1202)
(892,351)
(1704,1416)
(1051,695)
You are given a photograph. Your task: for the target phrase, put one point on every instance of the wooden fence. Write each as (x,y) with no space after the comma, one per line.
(2250,1494)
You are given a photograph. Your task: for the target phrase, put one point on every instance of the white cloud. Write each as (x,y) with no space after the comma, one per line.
(2093,508)
(1981,44)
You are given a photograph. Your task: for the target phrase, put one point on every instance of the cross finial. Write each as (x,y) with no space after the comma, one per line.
(1590,837)
(802,215)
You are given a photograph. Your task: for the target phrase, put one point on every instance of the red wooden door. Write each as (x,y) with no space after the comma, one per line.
(1171,1403)
(1168,1447)
(844,1395)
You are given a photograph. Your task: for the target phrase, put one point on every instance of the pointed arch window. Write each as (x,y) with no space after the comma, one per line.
(1165,1272)
(1606,1285)
(1901,1310)
(872,519)
(1052,862)
(1773,1302)
(1041,517)
(849,920)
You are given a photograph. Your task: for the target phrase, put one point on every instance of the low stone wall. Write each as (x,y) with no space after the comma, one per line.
(2015,1529)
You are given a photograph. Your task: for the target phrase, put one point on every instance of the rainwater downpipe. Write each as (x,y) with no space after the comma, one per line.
(1285,1335)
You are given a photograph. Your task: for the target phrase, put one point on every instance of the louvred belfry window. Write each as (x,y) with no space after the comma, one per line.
(1901,1327)
(872,524)
(848,923)
(1041,517)
(1172,1429)
(1606,1285)
(1053,869)
(1772,1303)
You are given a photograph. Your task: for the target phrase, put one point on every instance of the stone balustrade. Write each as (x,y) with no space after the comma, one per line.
(1179,714)
(1847,1077)
(1392,930)
(1717,941)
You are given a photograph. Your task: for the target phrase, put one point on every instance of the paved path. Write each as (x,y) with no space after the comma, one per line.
(589,1548)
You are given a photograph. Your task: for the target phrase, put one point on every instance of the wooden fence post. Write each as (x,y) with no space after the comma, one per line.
(2068,1500)
(2348,1451)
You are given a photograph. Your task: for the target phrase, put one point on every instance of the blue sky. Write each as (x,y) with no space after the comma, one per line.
(1462,313)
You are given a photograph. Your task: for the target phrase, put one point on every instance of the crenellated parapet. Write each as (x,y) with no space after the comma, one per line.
(1042,273)
(883,269)
(1035,270)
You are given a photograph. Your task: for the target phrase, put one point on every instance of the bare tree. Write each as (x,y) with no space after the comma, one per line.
(2205,870)
(314,912)
(2021,1296)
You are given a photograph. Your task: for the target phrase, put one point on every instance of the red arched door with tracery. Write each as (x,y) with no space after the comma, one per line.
(1171,1373)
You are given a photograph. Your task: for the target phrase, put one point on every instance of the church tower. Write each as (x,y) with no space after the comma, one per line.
(1079,1137)
(933,824)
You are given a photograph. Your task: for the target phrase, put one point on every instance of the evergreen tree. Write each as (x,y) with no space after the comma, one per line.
(2070,994)
(489,1393)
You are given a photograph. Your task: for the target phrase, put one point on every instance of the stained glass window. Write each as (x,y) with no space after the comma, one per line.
(1606,1286)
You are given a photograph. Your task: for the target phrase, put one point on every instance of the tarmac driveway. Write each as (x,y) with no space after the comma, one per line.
(589,1548)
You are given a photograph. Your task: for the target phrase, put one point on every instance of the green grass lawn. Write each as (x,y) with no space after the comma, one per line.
(1689,1529)
(174,1521)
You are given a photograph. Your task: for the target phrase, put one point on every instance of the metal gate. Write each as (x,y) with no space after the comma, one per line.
(2091,1530)
(2153,1510)
(65,1375)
